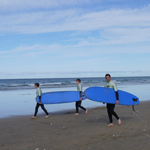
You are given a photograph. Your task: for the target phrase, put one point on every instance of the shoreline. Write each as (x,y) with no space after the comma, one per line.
(64,131)
(68,111)
(62,112)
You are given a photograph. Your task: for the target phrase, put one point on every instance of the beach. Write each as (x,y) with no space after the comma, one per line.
(64,131)
(67,66)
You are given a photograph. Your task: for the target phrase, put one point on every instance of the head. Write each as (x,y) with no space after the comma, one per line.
(78,81)
(108,77)
(36,85)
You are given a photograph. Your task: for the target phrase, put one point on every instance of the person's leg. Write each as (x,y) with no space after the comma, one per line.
(114,114)
(79,105)
(109,111)
(42,106)
(36,110)
(77,109)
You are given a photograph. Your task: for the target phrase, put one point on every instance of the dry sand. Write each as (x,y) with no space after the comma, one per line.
(84,132)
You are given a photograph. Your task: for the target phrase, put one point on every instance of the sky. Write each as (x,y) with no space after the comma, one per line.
(74,38)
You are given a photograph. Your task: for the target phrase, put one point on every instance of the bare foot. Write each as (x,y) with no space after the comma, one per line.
(86,112)
(119,121)
(33,117)
(76,114)
(110,125)
(47,116)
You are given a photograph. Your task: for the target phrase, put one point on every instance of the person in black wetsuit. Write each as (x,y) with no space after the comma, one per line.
(78,103)
(111,107)
(39,93)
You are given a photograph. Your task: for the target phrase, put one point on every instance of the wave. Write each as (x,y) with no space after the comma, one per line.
(54,83)
(70,82)
(73,82)
(16,85)
(22,86)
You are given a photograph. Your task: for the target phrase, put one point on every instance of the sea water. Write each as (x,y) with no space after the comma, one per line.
(17,96)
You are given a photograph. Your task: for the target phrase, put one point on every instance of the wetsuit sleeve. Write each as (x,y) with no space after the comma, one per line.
(80,94)
(39,98)
(117,95)
(116,91)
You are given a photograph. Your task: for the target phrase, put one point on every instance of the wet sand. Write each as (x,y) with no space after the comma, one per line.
(84,132)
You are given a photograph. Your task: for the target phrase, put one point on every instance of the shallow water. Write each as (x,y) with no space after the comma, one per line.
(22,102)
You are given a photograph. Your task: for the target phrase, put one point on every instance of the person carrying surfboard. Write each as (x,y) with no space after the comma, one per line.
(39,93)
(78,103)
(111,107)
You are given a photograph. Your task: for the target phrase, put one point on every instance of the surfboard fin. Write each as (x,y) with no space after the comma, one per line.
(135,99)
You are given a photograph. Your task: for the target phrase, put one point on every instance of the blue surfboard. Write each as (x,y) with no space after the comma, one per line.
(60,97)
(107,95)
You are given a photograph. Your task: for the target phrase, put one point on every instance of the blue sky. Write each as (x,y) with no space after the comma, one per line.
(74,38)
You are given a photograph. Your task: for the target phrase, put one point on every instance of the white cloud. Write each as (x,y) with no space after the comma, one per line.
(119,31)
(35,49)
(31,5)
(118,36)
(74,20)
(75,72)
(114,26)
(90,47)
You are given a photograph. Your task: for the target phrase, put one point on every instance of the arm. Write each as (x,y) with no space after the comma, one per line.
(39,99)
(117,95)
(80,94)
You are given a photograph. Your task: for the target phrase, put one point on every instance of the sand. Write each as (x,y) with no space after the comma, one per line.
(84,132)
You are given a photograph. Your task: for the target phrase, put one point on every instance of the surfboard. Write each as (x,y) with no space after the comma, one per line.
(60,97)
(107,95)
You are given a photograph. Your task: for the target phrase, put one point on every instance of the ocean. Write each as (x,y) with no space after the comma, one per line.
(17,96)
(22,84)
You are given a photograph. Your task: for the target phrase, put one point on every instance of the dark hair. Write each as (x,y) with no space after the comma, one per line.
(79,80)
(107,75)
(37,84)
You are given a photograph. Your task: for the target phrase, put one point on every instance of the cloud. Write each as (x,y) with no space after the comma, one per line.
(117,37)
(90,47)
(32,5)
(74,72)
(74,20)
(99,37)
(114,26)
(34,49)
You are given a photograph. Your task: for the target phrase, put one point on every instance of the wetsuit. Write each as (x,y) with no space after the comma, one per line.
(111,107)
(39,93)
(78,103)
